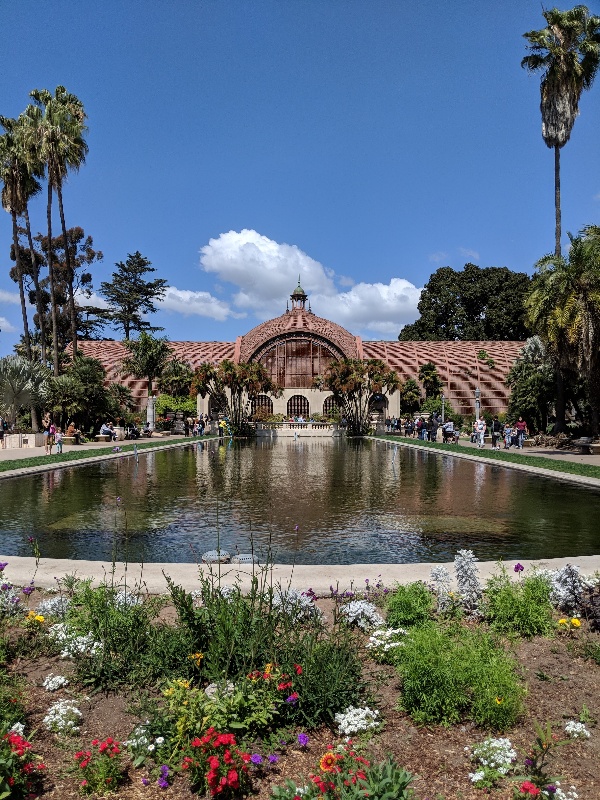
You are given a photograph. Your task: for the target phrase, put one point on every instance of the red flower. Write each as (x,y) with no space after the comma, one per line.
(298,669)
(196,742)
(529,788)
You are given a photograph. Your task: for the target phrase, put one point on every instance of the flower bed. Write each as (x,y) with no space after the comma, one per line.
(260,692)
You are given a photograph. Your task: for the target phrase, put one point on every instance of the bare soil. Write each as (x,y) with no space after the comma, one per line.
(560,685)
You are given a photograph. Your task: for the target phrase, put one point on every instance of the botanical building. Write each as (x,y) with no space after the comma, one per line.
(298,345)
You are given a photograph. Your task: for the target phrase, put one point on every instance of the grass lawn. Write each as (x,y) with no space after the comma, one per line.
(61,458)
(569,467)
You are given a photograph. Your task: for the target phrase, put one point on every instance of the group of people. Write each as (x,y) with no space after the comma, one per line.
(421,428)
(513,435)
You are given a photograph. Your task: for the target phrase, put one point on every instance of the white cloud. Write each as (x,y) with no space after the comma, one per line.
(93,300)
(438,257)
(203,304)
(9,297)
(266,272)
(464,251)
(6,326)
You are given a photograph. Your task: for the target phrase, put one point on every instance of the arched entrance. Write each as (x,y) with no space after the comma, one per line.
(330,407)
(298,406)
(262,406)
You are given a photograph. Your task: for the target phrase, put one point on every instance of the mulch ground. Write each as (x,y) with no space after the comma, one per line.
(560,685)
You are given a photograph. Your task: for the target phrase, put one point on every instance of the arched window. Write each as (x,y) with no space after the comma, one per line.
(330,406)
(263,404)
(298,406)
(378,403)
(294,363)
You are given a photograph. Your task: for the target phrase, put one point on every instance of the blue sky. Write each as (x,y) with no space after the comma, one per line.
(362,143)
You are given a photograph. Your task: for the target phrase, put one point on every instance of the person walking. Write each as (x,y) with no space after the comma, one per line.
(522,432)
(496,433)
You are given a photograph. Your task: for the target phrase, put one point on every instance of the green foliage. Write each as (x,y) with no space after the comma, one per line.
(410,396)
(410,604)
(11,698)
(130,296)
(100,768)
(134,649)
(522,607)
(430,378)
(166,402)
(531,381)
(472,304)
(344,775)
(148,357)
(449,674)
(176,380)
(330,680)
(353,384)
(591,650)
(20,768)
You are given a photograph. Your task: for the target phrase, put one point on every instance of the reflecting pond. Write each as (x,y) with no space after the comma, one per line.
(308,502)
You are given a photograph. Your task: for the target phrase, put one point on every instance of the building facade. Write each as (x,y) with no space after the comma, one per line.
(298,345)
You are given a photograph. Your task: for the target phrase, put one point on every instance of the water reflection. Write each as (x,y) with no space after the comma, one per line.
(353,502)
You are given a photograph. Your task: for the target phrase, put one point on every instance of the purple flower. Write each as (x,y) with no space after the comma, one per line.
(551,788)
(28,590)
(163,783)
(519,567)
(118,499)
(528,762)
(164,771)
(296,527)
(302,739)
(30,539)
(5,587)
(366,580)
(292,699)
(3,565)
(145,781)
(273,758)
(256,758)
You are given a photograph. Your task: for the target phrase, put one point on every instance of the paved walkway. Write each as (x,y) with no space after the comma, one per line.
(151,577)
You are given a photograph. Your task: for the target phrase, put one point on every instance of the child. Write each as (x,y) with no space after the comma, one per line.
(507,436)
(58,438)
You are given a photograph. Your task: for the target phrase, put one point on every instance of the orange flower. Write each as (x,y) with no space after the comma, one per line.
(327,762)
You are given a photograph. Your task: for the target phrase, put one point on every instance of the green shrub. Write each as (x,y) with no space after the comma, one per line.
(11,699)
(521,607)
(411,604)
(133,649)
(454,673)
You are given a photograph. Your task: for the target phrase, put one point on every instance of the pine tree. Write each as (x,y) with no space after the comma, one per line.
(130,295)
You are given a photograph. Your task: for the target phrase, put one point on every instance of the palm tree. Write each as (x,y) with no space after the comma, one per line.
(564,306)
(22,383)
(56,124)
(14,176)
(567,53)
(430,378)
(148,357)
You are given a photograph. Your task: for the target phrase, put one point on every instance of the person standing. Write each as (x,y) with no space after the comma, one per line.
(496,433)
(58,438)
(481,428)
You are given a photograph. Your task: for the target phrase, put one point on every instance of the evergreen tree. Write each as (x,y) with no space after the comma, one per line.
(129,295)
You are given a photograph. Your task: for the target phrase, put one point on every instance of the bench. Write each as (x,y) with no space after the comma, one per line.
(102,438)
(69,440)
(584,444)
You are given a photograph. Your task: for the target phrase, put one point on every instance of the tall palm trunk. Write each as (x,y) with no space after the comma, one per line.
(20,282)
(69,268)
(35,274)
(52,292)
(557,232)
(560,405)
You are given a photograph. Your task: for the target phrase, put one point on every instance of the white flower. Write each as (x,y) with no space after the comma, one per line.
(159,740)
(567,588)
(361,613)
(18,728)
(151,748)
(495,758)
(295,605)
(72,644)
(124,599)
(577,730)
(54,607)
(63,718)
(54,682)
(383,640)
(354,720)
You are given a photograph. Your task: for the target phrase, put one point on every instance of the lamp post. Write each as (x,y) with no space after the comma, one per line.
(477,402)
(443,399)
(150,412)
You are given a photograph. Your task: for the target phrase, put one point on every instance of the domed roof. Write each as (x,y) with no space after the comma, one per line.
(297,324)
(299,291)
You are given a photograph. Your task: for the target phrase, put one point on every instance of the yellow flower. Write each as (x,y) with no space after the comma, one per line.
(30,615)
(499,701)
(562,621)
(196,658)
(268,669)
(576,623)
(39,618)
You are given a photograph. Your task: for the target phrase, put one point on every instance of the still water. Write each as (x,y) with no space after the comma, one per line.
(352,502)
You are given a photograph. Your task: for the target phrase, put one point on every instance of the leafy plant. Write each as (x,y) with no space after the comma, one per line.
(521,607)
(411,604)
(100,767)
(216,765)
(20,768)
(451,673)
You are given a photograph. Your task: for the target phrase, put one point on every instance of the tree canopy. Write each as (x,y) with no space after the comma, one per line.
(232,387)
(130,296)
(473,304)
(148,357)
(353,383)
